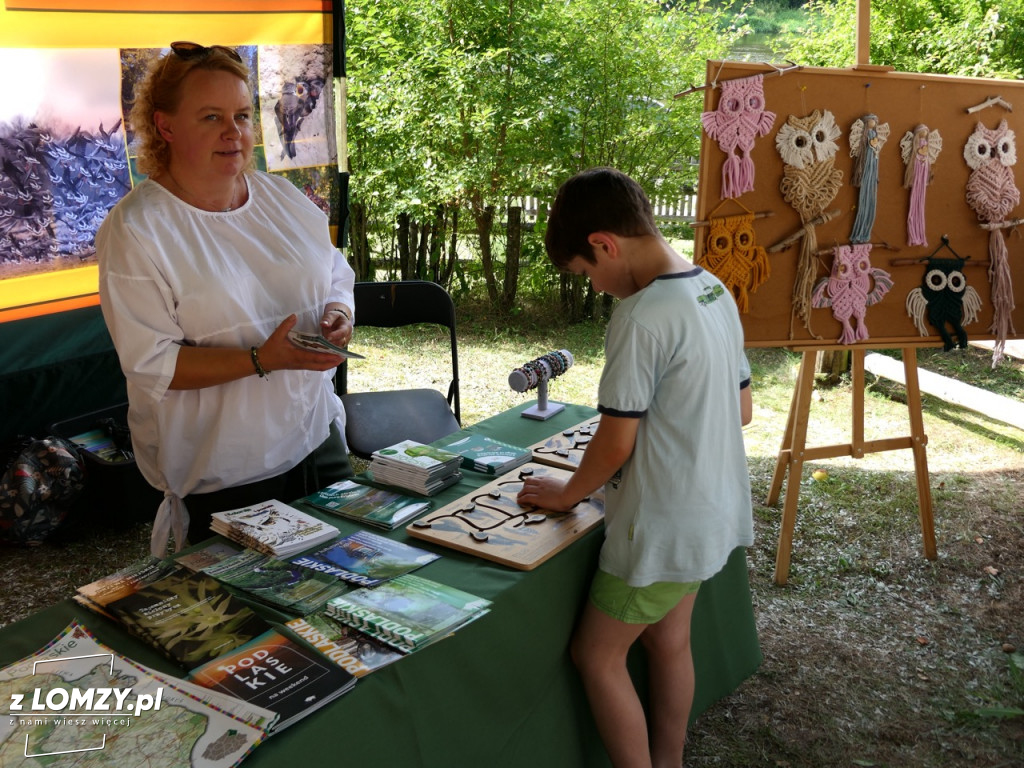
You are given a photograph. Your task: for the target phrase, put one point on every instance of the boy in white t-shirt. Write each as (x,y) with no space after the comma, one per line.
(673,397)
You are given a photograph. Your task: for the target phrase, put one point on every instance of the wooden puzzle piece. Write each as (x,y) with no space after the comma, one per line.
(491,524)
(566,449)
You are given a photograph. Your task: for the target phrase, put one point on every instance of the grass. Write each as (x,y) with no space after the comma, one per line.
(873,655)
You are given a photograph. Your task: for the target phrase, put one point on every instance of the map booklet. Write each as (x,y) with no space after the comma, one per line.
(189,617)
(365,504)
(277,583)
(409,612)
(366,558)
(485,454)
(318,343)
(355,652)
(278,673)
(162,722)
(273,527)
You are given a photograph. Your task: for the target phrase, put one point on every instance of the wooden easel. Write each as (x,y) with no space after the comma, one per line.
(794,451)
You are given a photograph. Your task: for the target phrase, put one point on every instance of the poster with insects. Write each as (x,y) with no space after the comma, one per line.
(565,449)
(490,524)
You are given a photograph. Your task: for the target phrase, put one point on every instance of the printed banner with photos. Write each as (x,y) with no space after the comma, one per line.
(67,156)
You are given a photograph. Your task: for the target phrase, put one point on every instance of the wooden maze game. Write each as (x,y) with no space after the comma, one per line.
(490,524)
(565,449)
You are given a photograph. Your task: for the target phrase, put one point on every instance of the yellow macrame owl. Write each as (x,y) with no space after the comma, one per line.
(732,255)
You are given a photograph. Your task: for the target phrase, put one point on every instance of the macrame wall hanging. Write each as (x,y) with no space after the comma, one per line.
(944,297)
(992,194)
(849,290)
(810,182)
(739,119)
(732,254)
(867,137)
(920,149)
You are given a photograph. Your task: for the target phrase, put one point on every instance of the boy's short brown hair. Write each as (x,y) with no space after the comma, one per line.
(595,200)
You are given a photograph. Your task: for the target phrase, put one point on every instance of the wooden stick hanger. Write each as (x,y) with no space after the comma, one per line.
(714,83)
(883,244)
(948,247)
(991,101)
(818,220)
(758,215)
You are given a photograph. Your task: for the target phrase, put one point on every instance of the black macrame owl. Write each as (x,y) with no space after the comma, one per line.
(945,298)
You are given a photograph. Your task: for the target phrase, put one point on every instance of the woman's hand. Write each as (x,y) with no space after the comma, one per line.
(336,326)
(279,354)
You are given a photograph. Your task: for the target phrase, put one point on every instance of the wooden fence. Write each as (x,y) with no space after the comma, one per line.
(665,212)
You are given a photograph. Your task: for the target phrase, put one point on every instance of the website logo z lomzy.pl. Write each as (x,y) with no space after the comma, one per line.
(91,706)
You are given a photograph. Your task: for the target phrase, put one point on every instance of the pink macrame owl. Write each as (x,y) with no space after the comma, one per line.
(992,193)
(920,149)
(848,289)
(739,119)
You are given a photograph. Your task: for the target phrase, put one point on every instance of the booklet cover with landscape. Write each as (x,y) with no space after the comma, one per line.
(408,612)
(354,651)
(366,558)
(278,583)
(365,504)
(486,454)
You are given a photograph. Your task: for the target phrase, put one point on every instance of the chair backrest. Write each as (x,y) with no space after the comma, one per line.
(407,302)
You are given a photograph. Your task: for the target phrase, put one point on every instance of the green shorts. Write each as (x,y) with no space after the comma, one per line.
(637,605)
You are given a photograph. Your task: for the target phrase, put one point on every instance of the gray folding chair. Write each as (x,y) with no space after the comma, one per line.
(379,419)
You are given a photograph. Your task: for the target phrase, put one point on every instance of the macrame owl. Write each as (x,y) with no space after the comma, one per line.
(867,136)
(739,119)
(732,255)
(992,194)
(944,298)
(810,182)
(847,289)
(920,149)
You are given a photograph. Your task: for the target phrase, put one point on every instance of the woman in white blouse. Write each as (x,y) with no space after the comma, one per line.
(204,269)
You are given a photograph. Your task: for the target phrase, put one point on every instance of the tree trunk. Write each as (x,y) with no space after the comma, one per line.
(484,225)
(571,290)
(403,246)
(833,363)
(360,243)
(513,254)
(453,255)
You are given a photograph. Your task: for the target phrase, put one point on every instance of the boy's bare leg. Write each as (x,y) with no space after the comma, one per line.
(599,649)
(671,683)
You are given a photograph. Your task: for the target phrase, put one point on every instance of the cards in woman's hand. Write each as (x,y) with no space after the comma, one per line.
(318,343)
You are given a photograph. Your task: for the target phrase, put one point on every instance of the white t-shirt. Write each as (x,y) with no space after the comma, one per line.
(675,360)
(172,274)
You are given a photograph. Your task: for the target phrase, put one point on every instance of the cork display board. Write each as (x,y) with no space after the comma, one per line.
(850,277)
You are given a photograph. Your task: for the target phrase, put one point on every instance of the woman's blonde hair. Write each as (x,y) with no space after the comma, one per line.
(160,90)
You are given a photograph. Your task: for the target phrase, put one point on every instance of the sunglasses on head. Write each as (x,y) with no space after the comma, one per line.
(187,51)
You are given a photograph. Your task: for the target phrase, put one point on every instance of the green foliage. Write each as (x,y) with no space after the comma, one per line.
(475,105)
(952,37)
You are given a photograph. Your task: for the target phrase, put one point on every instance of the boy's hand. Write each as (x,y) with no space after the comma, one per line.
(546,493)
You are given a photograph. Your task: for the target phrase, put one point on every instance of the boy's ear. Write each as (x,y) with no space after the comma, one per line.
(603,242)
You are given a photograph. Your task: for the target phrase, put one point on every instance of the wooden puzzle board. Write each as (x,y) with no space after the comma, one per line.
(490,524)
(565,449)
(902,100)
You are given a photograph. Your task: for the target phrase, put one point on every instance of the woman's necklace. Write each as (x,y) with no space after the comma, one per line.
(189,197)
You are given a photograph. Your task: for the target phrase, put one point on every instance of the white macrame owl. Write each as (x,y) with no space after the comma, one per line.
(810,182)
(992,193)
(739,119)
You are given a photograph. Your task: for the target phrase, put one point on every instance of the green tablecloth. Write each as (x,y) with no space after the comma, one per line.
(500,692)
